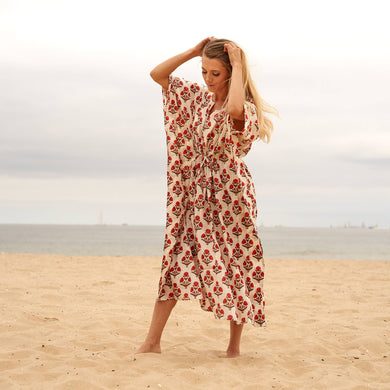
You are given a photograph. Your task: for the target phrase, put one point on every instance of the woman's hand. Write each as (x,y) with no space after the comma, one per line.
(234,53)
(198,49)
(160,74)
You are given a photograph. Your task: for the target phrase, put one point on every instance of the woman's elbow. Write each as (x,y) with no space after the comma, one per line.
(153,74)
(156,76)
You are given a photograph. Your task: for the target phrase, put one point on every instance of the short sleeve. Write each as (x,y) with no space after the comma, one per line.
(180,93)
(243,138)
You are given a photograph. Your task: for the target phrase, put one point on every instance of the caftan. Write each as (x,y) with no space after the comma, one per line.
(212,250)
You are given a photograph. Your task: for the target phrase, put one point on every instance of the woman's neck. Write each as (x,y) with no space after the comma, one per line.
(219,99)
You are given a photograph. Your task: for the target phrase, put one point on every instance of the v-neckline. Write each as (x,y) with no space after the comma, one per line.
(212,104)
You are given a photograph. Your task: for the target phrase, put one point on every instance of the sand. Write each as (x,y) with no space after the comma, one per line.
(69,322)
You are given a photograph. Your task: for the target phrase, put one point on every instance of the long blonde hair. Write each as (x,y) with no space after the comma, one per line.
(215,49)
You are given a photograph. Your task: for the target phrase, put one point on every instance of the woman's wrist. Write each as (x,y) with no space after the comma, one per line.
(194,52)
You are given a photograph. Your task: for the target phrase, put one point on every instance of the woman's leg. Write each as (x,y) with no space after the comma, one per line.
(161,312)
(233,349)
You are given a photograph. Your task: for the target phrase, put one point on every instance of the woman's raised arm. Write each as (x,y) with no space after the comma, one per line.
(162,71)
(236,97)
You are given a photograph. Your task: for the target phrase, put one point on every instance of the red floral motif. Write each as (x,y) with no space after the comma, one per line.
(189,237)
(211,299)
(218,290)
(229,273)
(216,219)
(185,281)
(226,279)
(207,216)
(219,312)
(226,197)
(237,209)
(195,290)
(217,268)
(177,249)
(228,301)
(185,94)
(175,270)
(194,88)
(208,278)
(249,284)
(258,274)
(187,258)
(176,168)
(187,134)
(238,283)
(227,218)
(219,238)
(241,304)
(248,264)
(233,166)
(217,185)
(236,186)
(214,164)
(199,203)
(176,290)
(176,209)
(177,189)
(174,148)
(258,253)
(237,231)
(207,236)
(188,154)
(225,177)
(175,231)
(246,220)
(197,223)
(247,242)
(237,251)
(167,242)
(186,172)
(258,296)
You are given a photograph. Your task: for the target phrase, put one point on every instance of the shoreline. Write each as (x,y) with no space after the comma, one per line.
(74,322)
(276,258)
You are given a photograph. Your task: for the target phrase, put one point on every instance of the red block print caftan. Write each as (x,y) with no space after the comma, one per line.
(212,250)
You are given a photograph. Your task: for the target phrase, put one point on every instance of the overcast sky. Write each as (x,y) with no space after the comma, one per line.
(81,127)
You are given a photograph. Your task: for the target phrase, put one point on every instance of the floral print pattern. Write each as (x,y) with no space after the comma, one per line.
(212,251)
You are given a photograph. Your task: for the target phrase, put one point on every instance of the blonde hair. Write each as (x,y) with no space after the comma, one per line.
(215,49)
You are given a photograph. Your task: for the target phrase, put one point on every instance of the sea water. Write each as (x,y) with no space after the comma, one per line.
(127,240)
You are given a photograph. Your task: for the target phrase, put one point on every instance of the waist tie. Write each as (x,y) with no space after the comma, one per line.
(202,178)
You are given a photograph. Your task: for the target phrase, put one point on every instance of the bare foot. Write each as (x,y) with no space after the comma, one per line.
(230,353)
(147,347)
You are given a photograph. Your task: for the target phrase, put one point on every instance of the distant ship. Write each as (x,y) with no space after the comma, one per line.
(100,219)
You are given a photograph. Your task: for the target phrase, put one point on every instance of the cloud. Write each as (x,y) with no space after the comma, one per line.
(80,122)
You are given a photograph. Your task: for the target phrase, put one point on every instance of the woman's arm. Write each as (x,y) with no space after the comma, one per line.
(162,71)
(236,98)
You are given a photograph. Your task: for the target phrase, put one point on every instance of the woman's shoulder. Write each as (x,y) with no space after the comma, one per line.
(176,82)
(186,90)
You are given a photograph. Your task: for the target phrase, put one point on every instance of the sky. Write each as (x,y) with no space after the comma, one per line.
(81,127)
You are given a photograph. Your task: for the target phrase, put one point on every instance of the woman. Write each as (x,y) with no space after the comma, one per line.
(212,250)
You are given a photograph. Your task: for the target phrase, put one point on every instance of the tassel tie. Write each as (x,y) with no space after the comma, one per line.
(203,175)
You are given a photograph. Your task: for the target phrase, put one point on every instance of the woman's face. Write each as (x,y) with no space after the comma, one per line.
(215,75)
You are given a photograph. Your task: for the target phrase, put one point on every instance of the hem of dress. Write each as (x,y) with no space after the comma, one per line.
(224,317)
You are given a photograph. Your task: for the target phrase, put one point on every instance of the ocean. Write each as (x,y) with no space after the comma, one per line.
(128,240)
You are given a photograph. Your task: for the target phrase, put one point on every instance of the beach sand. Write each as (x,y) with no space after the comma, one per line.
(70,322)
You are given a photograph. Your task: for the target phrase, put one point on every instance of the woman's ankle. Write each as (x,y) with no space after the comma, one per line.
(149,346)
